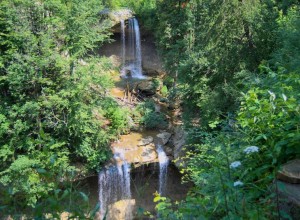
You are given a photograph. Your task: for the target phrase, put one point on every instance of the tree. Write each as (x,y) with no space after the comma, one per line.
(54,107)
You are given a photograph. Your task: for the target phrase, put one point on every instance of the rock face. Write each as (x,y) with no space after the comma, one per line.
(163,138)
(169,151)
(179,142)
(117,15)
(121,210)
(145,141)
(152,72)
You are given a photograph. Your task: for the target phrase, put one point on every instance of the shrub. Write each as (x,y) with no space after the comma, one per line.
(149,118)
(164,91)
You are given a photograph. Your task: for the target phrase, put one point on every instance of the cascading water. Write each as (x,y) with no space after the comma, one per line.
(163,170)
(123,43)
(114,184)
(138,54)
(132,58)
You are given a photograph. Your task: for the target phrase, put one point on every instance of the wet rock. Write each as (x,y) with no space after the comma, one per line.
(179,143)
(163,138)
(150,87)
(147,87)
(168,151)
(128,73)
(121,210)
(145,141)
(290,172)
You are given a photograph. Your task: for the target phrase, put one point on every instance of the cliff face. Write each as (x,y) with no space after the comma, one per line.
(150,59)
(117,15)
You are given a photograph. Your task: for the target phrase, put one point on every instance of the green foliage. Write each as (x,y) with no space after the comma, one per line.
(155,83)
(168,81)
(57,201)
(144,9)
(270,117)
(208,45)
(54,106)
(266,119)
(164,91)
(149,117)
(288,37)
(242,111)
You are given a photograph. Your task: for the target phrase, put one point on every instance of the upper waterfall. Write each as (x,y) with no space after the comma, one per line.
(131,49)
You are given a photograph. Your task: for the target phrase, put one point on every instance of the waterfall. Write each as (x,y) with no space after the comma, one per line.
(131,39)
(163,169)
(138,54)
(114,183)
(123,39)
(131,59)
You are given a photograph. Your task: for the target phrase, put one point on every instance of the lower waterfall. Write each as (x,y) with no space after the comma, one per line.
(114,185)
(163,170)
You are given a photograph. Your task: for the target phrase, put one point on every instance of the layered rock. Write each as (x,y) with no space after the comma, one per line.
(179,140)
(163,138)
(145,141)
(117,15)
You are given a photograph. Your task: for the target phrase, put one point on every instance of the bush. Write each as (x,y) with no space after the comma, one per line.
(149,118)
(164,91)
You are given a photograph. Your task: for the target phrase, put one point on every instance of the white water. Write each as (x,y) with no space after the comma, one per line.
(138,54)
(123,42)
(114,184)
(132,58)
(163,170)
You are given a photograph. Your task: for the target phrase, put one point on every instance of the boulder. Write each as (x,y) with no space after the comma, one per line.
(290,172)
(145,141)
(121,210)
(147,87)
(163,138)
(168,151)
